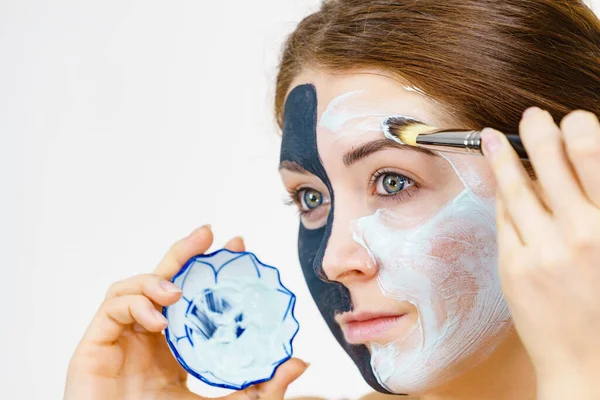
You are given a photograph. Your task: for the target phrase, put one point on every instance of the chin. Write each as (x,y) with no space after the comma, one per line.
(402,366)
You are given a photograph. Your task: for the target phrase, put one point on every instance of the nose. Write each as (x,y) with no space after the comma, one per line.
(345,261)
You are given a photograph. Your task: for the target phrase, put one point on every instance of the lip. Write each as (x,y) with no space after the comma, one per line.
(368,327)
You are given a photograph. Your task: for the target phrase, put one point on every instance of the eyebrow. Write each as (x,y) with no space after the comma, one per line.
(365,150)
(292,166)
(353,156)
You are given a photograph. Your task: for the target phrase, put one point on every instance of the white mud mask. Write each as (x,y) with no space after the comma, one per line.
(444,262)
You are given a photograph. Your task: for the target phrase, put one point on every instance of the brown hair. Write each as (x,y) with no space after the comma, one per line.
(486,60)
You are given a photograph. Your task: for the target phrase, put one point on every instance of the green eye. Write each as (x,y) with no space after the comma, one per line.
(311,199)
(393,183)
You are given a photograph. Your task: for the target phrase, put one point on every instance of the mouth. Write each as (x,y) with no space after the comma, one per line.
(363,327)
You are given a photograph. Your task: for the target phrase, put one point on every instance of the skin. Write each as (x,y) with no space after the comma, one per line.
(549,249)
(123,354)
(347,262)
(512,371)
(548,265)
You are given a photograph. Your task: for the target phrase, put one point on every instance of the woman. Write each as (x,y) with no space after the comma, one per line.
(399,247)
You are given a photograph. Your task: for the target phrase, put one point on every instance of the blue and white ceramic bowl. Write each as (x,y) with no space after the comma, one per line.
(234,324)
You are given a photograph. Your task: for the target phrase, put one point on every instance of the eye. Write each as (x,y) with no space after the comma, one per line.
(391,183)
(313,206)
(310,199)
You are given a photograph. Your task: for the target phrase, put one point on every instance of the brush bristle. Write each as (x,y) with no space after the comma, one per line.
(404,129)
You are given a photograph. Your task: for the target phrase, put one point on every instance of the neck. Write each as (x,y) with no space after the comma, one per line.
(506,375)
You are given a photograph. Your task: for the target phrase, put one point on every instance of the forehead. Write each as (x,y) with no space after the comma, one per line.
(348,102)
(352,106)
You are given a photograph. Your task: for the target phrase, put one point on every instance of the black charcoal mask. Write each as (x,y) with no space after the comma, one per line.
(299,145)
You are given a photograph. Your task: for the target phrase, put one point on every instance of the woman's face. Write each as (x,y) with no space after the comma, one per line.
(406,236)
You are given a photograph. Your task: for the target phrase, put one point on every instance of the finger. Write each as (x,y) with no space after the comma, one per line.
(581,130)
(508,237)
(154,287)
(236,244)
(537,187)
(196,243)
(116,313)
(286,373)
(274,389)
(516,189)
(544,143)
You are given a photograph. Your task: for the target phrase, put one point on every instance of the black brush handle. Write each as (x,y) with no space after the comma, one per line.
(516,144)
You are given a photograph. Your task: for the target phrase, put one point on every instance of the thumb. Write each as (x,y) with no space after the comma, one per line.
(274,389)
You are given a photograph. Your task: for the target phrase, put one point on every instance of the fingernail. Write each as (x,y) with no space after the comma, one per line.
(169,287)
(207,226)
(531,111)
(306,364)
(159,317)
(491,140)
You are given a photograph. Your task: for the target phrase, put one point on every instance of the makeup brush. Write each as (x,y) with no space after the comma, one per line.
(412,132)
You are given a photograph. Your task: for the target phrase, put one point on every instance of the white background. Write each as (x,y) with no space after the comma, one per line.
(123,126)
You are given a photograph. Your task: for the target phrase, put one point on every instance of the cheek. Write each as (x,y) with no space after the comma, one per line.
(466,255)
(458,288)
(464,244)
